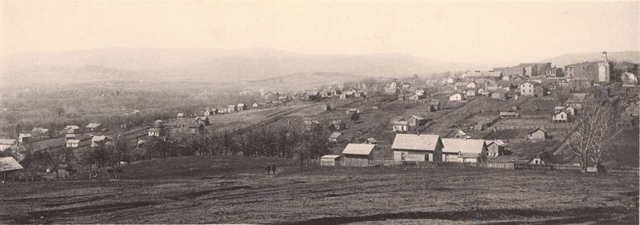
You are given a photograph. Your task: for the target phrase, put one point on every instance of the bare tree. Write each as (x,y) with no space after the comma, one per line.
(595,132)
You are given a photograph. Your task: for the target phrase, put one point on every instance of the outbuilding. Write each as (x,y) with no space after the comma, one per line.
(357,154)
(330,160)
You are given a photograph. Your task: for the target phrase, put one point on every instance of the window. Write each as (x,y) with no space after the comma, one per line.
(402,156)
(426,157)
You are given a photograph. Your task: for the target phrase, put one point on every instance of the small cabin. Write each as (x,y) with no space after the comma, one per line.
(330,160)
(539,134)
(357,154)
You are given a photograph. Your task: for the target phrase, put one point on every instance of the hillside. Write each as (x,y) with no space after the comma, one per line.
(302,81)
(563,60)
(204,65)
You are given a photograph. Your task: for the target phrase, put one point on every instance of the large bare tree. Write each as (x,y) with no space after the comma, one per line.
(595,133)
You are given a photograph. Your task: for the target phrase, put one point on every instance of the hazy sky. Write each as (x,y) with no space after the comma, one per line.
(448,31)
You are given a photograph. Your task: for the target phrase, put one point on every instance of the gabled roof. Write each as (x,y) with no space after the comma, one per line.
(424,142)
(463,145)
(93,125)
(154,129)
(358,149)
(330,156)
(73,141)
(541,129)
(335,135)
(7,141)
(9,164)
(24,135)
(372,140)
(98,138)
(417,117)
(71,127)
(509,113)
(180,114)
(497,142)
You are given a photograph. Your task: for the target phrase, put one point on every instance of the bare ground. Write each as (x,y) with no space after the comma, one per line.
(397,195)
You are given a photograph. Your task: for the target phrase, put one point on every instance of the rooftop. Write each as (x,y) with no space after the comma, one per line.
(358,149)
(424,142)
(463,145)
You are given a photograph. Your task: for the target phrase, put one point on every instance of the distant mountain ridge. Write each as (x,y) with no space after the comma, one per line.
(567,59)
(207,65)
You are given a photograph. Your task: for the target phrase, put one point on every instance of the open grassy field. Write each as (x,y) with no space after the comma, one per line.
(208,189)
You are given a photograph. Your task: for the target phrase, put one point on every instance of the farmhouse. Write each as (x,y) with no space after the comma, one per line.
(180,116)
(456,97)
(561,117)
(6,143)
(570,110)
(71,129)
(24,138)
(195,128)
(543,158)
(464,150)
(73,143)
(499,94)
(40,131)
(495,148)
(539,134)
(98,140)
(416,121)
(509,115)
(471,92)
(93,126)
(241,107)
(9,167)
(337,125)
(357,154)
(154,132)
(336,137)
(330,160)
(399,124)
(412,147)
(231,108)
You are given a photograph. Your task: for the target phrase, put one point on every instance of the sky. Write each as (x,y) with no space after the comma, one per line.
(463,31)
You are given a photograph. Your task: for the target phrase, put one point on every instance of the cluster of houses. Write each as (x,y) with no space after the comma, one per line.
(417,147)
(74,136)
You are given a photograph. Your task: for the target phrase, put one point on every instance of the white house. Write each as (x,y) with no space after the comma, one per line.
(456,97)
(464,150)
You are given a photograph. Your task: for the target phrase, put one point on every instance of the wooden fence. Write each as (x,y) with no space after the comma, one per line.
(519,166)
(532,127)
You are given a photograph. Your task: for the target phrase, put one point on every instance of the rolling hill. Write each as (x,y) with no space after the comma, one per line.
(566,59)
(206,65)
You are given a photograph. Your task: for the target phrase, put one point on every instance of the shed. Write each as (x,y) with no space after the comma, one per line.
(357,154)
(93,126)
(9,167)
(415,147)
(416,121)
(539,134)
(336,137)
(371,141)
(98,140)
(330,160)
(180,116)
(73,143)
(231,108)
(241,106)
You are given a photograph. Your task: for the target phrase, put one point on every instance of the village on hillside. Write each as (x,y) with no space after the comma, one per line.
(516,117)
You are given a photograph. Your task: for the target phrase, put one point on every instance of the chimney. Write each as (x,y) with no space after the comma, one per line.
(604,56)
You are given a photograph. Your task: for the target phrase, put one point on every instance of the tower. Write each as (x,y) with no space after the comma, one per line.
(604,56)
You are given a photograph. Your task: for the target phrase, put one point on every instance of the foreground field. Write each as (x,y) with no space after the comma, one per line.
(230,190)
